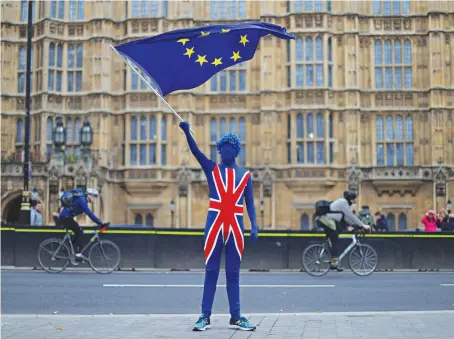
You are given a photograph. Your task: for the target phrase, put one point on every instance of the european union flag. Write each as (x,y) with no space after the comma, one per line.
(187,58)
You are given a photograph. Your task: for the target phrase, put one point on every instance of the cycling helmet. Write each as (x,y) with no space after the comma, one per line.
(349,195)
(93,192)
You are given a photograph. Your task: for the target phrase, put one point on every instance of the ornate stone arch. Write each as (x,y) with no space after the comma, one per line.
(7,199)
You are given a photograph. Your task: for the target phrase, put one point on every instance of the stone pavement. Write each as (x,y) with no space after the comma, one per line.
(351,325)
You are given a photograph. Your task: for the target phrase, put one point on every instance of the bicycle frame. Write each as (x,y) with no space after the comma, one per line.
(352,244)
(94,238)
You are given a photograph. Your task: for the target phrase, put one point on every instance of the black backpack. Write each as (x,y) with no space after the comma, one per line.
(322,207)
(68,197)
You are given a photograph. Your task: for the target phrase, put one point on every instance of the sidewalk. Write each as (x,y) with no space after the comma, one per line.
(380,325)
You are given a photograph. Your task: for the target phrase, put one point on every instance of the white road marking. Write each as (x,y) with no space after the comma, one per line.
(198,286)
(447,285)
(182,315)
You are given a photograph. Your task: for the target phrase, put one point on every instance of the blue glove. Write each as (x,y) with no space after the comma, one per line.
(254,235)
(184,125)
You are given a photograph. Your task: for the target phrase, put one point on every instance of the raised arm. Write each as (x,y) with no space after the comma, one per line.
(201,158)
(249,198)
(424,219)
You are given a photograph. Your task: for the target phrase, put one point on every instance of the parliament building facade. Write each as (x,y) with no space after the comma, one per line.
(362,98)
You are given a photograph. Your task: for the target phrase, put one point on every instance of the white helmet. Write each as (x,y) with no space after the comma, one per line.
(93,192)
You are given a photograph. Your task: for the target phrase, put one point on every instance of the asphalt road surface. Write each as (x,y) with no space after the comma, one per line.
(180,293)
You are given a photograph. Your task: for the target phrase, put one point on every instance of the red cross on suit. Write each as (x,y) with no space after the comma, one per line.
(227,209)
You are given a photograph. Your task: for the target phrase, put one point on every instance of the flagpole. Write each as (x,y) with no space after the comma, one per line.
(149,85)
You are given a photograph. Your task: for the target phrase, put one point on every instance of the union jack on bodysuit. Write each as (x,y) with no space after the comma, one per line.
(228,185)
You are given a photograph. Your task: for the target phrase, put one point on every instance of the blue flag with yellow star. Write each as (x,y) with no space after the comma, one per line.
(187,58)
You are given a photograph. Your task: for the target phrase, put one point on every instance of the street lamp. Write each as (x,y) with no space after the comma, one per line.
(172,211)
(449,206)
(86,140)
(59,135)
(262,212)
(86,134)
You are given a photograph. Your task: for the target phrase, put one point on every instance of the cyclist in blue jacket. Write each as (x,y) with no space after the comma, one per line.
(74,203)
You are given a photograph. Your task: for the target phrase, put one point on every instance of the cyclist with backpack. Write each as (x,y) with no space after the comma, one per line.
(334,217)
(74,203)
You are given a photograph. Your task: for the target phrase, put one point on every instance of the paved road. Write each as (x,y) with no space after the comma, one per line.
(180,293)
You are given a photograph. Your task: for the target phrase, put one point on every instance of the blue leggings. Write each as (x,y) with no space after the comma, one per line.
(232,272)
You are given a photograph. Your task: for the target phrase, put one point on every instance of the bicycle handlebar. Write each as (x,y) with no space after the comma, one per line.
(104,227)
(359,231)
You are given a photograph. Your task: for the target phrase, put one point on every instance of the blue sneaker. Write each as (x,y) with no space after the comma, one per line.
(202,324)
(241,324)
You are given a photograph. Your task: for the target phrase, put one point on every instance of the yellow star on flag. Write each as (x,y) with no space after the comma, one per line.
(183,41)
(225,30)
(189,52)
(201,59)
(205,33)
(244,39)
(217,61)
(235,56)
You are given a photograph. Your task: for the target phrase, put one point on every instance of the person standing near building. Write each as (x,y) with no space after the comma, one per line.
(228,185)
(36,218)
(430,221)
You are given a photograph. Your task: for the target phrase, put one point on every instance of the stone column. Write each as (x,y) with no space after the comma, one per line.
(183,204)
(54,190)
(354,182)
(440,178)
(268,179)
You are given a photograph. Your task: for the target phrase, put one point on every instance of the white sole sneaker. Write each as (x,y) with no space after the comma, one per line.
(236,327)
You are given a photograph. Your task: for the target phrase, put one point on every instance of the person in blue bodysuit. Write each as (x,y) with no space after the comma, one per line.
(228,185)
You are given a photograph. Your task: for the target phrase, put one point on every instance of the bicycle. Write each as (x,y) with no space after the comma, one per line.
(356,249)
(64,252)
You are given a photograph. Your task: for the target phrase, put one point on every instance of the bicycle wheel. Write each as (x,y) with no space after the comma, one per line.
(101,254)
(316,260)
(363,259)
(53,255)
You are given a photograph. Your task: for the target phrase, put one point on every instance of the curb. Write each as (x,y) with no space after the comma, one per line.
(201,270)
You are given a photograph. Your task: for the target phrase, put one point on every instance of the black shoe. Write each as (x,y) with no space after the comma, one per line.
(336,267)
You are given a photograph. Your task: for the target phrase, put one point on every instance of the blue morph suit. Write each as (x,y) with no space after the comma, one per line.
(228,186)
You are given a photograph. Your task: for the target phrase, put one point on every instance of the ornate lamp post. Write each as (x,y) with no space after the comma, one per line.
(86,134)
(262,212)
(25,205)
(59,135)
(59,141)
(86,140)
(172,211)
